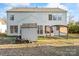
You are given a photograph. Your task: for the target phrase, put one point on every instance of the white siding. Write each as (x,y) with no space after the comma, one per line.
(39,18)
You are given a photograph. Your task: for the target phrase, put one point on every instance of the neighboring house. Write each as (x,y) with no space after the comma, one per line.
(2,25)
(50,21)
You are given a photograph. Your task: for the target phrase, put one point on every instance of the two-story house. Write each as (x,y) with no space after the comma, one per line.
(50,21)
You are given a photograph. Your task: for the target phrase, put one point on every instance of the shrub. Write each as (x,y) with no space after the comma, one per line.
(73,28)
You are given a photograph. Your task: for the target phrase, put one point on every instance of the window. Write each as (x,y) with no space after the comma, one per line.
(14,29)
(12,17)
(59,18)
(50,16)
(40,29)
(54,17)
(11,29)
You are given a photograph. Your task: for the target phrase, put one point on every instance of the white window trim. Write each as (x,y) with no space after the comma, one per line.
(57,17)
(13,32)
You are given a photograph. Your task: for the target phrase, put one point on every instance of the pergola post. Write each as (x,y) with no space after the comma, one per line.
(67,32)
(50,31)
(59,31)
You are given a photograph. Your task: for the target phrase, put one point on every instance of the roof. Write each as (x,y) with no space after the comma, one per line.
(37,10)
(61,25)
(29,25)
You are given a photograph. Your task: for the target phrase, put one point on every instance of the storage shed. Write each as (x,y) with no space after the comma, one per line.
(29,31)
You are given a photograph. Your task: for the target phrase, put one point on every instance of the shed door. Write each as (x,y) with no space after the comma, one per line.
(24,33)
(29,34)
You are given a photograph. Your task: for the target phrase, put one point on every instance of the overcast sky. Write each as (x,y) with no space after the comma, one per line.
(73,8)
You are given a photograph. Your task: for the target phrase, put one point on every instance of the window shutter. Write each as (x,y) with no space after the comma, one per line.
(50,16)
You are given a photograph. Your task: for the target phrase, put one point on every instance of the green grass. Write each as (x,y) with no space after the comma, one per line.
(70,36)
(7,40)
(73,40)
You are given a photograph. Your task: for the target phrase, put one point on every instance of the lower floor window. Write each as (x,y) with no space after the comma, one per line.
(14,29)
(48,29)
(40,29)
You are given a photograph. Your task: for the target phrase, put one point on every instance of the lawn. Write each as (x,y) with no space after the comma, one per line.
(54,46)
(7,40)
(73,39)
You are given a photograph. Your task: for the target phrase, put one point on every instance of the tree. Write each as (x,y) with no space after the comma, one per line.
(73,27)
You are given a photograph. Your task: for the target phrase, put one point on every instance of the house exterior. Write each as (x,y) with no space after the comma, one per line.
(2,25)
(49,21)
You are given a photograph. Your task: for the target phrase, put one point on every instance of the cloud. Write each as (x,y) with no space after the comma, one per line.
(20,4)
(53,5)
(75,18)
(11,5)
(77,7)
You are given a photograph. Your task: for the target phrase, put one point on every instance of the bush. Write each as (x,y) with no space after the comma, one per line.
(3,35)
(73,28)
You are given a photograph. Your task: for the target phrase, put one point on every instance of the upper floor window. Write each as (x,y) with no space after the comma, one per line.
(50,16)
(12,17)
(54,17)
(59,17)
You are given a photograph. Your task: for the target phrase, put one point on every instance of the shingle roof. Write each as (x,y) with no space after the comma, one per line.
(37,10)
(29,25)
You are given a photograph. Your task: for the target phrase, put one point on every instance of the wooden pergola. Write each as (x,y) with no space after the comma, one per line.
(59,26)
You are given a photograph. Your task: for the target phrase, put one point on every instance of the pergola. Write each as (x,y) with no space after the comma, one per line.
(61,28)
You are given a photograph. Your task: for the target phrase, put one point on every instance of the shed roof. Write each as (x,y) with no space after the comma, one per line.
(37,10)
(29,25)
